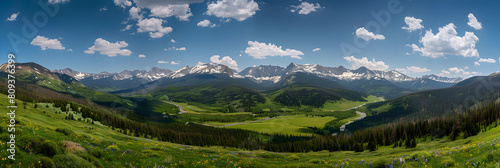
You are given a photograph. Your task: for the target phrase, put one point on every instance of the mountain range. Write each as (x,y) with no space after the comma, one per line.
(384,83)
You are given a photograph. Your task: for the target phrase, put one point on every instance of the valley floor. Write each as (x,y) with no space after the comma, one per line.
(102,146)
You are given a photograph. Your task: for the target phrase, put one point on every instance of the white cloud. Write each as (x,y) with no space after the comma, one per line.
(236,9)
(122,3)
(316,49)
(57,1)
(473,22)
(110,49)
(13,17)
(154,27)
(306,8)
(366,35)
(200,63)
(225,61)
(262,50)
(126,28)
(476,63)
(45,43)
(205,23)
(142,56)
(163,62)
(181,11)
(412,69)
(446,42)
(364,62)
(135,13)
(103,9)
(412,24)
(172,40)
(456,71)
(488,60)
(174,63)
(175,48)
(168,8)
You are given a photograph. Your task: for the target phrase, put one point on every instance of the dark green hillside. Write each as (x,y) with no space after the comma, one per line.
(306,79)
(211,94)
(32,76)
(439,102)
(297,95)
(310,90)
(109,85)
(384,88)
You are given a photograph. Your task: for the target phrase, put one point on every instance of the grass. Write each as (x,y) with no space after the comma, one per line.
(345,104)
(34,123)
(292,125)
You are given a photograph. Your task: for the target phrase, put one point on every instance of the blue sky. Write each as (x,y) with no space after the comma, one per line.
(92,35)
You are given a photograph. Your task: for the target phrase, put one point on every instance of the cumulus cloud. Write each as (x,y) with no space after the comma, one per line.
(262,50)
(364,62)
(163,62)
(175,48)
(446,42)
(412,69)
(366,35)
(172,40)
(126,28)
(122,3)
(110,49)
(168,8)
(45,43)
(473,22)
(476,63)
(142,56)
(316,49)
(174,63)
(13,17)
(103,9)
(205,23)
(487,60)
(154,27)
(135,13)
(57,1)
(306,8)
(456,71)
(228,61)
(236,9)
(181,11)
(412,24)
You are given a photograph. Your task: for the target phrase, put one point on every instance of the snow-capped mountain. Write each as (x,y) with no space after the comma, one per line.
(443,79)
(263,73)
(208,68)
(275,73)
(151,75)
(342,73)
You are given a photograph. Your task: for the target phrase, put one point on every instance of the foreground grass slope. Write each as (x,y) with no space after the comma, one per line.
(44,138)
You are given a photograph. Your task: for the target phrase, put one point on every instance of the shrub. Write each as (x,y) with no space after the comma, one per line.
(269,155)
(448,161)
(31,143)
(70,160)
(48,148)
(65,131)
(89,158)
(45,162)
(95,152)
(113,147)
(293,157)
(381,163)
(314,161)
(419,155)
